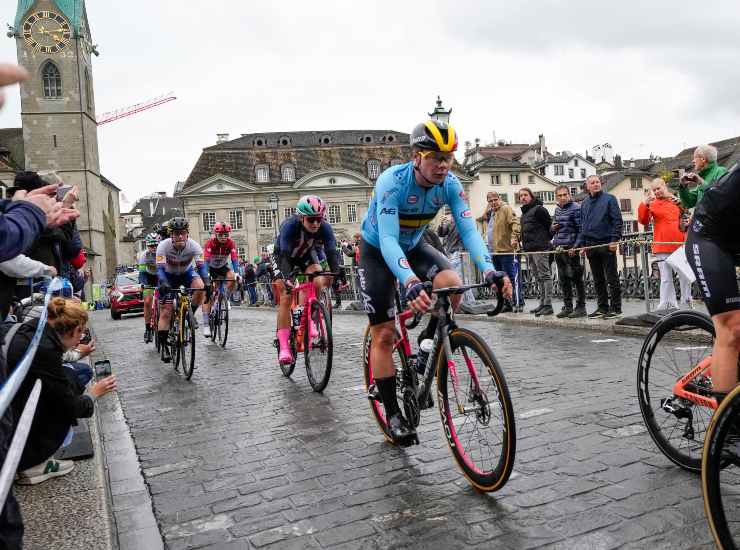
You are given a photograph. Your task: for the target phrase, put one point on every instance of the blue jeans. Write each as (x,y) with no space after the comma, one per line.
(252,294)
(505,263)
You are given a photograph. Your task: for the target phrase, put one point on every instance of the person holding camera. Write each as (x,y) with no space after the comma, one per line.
(706,171)
(663,209)
(60,403)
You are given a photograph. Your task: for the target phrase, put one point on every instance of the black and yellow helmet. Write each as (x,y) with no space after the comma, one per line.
(433,135)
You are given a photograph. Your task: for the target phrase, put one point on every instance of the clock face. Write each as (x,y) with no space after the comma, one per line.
(47,32)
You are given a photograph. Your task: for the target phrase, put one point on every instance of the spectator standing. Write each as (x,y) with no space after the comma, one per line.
(453,248)
(706,172)
(601,224)
(488,218)
(662,208)
(566,225)
(250,283)
(352,250)
(504,237)
(536,222)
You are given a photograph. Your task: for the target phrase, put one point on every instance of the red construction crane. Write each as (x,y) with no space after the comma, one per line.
(133,109)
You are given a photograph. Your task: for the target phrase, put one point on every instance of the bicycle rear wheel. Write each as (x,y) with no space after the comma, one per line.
(400,364)
(678,426)
(223,320)
(720,473)
(318,351)
(187,343)
(483,437)
(213,320)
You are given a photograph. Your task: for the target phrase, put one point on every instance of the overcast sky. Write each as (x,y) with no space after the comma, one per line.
(647,77)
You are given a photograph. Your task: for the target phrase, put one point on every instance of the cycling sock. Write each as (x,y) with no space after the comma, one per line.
(283,335)
(387,388)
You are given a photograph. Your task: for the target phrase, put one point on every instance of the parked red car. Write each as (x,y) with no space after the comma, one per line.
(125,295)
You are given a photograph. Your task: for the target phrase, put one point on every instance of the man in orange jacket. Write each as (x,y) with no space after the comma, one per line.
(664,210)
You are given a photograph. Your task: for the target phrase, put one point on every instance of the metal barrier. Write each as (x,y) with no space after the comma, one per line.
(8,392)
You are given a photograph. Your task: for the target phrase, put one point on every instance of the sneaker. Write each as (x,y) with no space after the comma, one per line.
(535,310)
(578,312)
(507,309)
(565,312)
(597,314)
(206,330)
(612,313)
(545,310)
(45,470)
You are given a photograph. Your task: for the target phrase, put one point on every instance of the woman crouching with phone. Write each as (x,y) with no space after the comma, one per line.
(60,404)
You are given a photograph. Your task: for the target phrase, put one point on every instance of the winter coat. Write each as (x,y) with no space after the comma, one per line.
(59,404)
(601,220)
(710,174)
(505,228)
(249,276)
(568,219)
(21,222)
(536,223)
(664,213)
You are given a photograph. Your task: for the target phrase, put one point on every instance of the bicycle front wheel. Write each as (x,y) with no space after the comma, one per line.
(477,414)
(318,347)
(187,343)
(720,473)
(223,320)
(677,425)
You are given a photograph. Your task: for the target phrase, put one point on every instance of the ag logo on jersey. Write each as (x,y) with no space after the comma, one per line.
(388,211)
(404,263)
(412,199)
(466,214)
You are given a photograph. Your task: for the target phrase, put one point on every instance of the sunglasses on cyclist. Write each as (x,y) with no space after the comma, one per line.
(314,219)
(437,157)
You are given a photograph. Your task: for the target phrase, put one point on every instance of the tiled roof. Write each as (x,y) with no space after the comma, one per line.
(510,150)
(497,162)
(308,152)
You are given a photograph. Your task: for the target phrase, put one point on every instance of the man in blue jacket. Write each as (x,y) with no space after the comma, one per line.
(566,224)
(601,224)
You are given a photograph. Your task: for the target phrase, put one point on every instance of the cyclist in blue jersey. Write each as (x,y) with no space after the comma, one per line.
(407,197)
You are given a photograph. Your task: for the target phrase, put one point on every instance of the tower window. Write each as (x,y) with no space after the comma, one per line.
(263,173)
(287,172)
(373,169)
(88,91)
(55,140)
(52,80)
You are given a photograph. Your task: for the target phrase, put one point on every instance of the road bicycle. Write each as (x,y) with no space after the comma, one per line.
(181,336)
(472,395)
(310,331)
(720,473)
(218,319)
(674,385)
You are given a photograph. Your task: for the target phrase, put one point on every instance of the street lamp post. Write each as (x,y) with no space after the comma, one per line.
(274,201)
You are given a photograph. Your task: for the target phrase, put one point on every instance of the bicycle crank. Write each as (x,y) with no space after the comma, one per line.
(679,410)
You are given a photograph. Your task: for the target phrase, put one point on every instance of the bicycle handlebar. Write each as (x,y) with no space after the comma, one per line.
(446,291)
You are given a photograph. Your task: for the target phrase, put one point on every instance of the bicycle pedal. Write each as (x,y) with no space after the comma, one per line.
(373,394)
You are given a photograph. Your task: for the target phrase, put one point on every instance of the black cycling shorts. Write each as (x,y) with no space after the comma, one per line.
(150,279)
(378,284)
(283,264)
(219,272)
(714,268)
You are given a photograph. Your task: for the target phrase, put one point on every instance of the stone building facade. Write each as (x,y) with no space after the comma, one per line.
(254,182)
(58,114)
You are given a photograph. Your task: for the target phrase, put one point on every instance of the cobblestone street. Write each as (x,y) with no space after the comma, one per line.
(242,457)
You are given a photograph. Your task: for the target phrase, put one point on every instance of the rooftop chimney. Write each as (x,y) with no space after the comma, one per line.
(222,138)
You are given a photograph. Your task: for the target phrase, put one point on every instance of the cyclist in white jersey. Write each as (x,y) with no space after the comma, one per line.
(175,258)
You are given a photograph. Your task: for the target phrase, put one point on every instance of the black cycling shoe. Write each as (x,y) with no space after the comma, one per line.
(166,357)
(401,432)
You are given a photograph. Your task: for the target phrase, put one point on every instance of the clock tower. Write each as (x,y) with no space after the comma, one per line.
(58,113)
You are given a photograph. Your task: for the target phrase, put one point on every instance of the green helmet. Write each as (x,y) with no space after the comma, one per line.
(311,205)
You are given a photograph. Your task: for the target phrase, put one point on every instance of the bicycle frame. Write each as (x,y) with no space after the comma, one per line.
(679,389)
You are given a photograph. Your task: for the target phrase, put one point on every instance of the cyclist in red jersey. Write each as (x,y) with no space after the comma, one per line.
(219,250)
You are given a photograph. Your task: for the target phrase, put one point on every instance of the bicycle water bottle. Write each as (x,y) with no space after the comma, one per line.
(425,348)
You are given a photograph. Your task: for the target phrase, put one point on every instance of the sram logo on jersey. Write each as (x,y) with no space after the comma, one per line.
(466,214)
(388,211)
(404,263)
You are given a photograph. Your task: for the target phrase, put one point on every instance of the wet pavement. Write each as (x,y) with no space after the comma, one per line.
(242,457)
